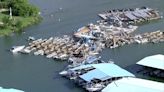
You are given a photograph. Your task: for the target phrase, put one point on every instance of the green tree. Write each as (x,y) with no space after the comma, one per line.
(5,21)
(19,25)
(23,8)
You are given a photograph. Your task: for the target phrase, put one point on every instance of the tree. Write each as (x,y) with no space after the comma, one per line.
(19,25)
(23,8)
(5,21)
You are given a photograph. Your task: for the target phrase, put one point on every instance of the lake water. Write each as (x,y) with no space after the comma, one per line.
(39,74)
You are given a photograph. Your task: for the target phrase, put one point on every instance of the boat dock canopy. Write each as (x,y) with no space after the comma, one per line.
(134,85)
(10,90)
(155,61)
(105,70)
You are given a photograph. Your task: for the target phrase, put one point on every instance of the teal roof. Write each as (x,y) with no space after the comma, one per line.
(134,85)
(10,90)
(93,74)
(112,70)
(105,70)
(155,61)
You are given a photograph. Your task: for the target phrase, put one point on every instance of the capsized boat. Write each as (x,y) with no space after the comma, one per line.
(16,49)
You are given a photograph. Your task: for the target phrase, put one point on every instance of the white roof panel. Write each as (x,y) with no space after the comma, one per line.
(155,61)
(134,85)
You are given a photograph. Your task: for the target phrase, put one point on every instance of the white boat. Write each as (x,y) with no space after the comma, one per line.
(16,49)
(95,87)
(30,38)
(63,73)
(25,51)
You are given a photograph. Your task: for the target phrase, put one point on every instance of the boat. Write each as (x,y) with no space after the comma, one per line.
(30,38)
(25,51)
(95,87)
(16,49)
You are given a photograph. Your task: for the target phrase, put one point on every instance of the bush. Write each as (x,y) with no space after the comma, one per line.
(5,21)
(19,25)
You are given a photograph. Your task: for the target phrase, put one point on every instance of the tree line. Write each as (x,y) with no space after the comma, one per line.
(20,7)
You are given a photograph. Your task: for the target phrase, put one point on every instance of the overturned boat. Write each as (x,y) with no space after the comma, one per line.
(16,49)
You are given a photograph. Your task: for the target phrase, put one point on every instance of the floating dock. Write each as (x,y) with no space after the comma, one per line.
(130,15)
(58,48)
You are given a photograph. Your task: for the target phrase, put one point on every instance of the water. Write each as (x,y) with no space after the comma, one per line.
(38,74)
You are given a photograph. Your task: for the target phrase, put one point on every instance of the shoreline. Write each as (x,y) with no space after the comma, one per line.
(29,21)
(15,16)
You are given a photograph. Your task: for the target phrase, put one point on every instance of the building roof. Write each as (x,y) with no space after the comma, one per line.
(134,85)
(130,16)
(155,61)
(93,74)
(10,90)
(104,70)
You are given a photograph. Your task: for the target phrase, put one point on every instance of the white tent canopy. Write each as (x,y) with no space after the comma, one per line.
(155,61)
(134,85)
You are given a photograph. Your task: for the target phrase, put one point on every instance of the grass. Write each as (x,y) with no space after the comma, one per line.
(25,22)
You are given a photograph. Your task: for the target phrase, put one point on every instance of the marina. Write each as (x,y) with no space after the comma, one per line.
(59,48)
(106,77)
(66,47)
(82,49)
(92,59)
